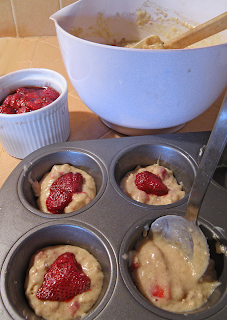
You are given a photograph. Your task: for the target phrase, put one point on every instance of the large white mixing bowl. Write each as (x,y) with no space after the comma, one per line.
(137,90)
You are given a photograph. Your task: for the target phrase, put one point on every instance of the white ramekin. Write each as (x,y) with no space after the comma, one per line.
(21,134)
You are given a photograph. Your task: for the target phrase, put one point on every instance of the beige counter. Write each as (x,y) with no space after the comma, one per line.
(44,52)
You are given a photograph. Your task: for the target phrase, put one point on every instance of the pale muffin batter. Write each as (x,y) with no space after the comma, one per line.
(175,192)
(81,303)
(163,275)
(42,189)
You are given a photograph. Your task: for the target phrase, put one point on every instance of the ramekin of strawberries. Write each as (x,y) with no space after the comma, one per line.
(33,110)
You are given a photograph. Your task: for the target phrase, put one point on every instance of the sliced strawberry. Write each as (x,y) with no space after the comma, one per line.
(7,100)
(6,109)
(34,98)
(25,90)
(35,104)
(134,265)
(62,190)
(49,93)
(160,292)
(23,109)
(57,201)
(32,95)
(150,183)
(69,182)
(14,101)
(162,173)
(64,280)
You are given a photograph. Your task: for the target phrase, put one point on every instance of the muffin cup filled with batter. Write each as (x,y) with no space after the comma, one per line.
(63,282)
(36,179)
(175,168)
(33,254)
(148,273)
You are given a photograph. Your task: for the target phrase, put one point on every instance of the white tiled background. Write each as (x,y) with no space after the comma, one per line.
(27,18)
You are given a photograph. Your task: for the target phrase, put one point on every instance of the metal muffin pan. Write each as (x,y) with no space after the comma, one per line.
(110,224)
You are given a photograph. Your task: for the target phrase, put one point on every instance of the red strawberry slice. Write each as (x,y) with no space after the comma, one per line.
(23,109)
(134,266)
(62,190)
(57,201)
(30,96)
(49,93)
(158,292)
(6,109)
(64,280)
(7,101)
(35,104)
(150,183)
(70,182)
(30,99)
(15,101)
(25,90)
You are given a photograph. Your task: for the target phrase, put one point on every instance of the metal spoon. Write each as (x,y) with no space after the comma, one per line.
(183,232)
(194,35)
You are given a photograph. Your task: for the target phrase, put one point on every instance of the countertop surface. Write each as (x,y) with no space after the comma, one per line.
(44,52)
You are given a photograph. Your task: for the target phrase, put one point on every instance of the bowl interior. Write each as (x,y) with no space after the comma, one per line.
(129,19)
(17,262)
(218,298)
(182,165)
(37,169)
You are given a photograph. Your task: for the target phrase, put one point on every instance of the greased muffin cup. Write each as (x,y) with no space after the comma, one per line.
(111,224)
(24,133)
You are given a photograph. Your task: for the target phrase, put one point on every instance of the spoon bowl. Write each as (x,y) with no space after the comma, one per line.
(187,237)
(183,232)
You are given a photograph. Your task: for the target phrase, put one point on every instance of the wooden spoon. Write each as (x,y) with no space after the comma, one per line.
(185,39)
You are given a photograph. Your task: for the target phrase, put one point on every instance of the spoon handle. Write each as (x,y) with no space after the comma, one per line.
(196,34)
(208,164)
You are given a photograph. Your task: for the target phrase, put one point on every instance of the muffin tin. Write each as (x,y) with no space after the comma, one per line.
(111,224)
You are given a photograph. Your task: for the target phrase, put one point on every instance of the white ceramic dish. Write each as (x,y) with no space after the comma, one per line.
(21,134)
(138,91)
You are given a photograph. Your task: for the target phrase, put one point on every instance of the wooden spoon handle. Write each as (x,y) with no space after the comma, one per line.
(196,34)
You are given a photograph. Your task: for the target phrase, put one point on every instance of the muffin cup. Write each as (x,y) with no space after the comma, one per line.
(175,159)
(16,263)
(216,301)
(21,134)
(41,165)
